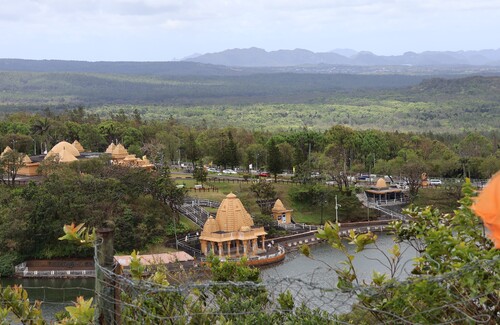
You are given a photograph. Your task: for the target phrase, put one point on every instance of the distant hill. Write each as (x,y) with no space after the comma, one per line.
(278,62)
(133,68)
(256,57)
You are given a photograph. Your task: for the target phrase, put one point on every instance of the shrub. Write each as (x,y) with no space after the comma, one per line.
(7,262)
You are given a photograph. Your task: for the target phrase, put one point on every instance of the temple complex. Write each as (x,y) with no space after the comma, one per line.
(65,152)
(232,233)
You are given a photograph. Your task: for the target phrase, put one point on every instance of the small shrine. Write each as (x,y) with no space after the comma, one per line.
(232,232)
(280,213)
(29,167)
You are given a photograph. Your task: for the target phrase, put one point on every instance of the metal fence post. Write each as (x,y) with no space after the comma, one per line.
(104,284)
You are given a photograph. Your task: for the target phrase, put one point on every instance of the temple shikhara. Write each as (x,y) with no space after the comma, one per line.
(232,233)
(280,213)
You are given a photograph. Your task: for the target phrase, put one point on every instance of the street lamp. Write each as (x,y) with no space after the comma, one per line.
(322,203)
(337,206)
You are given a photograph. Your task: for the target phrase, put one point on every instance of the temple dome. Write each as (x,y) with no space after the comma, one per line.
(65,145)
(27,159)
(119,152)
(78,146)
(7,149)
(210,226)
(110,148)
(381,183)
(232,215)
(65,156)
(278,206)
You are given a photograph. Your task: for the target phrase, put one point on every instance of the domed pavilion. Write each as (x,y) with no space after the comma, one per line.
(381,193)
(232,232)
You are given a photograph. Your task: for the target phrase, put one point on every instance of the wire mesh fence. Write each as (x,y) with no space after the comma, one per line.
(183,298)
(300,300)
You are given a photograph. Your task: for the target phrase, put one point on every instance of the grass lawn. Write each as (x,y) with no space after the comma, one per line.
(437,197)
(302,213)
(188,223)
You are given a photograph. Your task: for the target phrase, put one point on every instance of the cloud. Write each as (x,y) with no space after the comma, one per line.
(214,25)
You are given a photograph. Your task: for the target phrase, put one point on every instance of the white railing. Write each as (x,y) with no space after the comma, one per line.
(202,202)
(56,274)
(288,226)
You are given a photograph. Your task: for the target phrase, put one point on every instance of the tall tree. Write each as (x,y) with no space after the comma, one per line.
(192,150)
(200,174)
(473,145)
(164,189)
(232,151)
(274,160)
(227,154)
(10,163)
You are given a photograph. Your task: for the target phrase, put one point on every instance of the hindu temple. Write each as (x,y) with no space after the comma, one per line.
(232,232)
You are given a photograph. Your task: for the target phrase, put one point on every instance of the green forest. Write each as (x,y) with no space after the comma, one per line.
(279,101)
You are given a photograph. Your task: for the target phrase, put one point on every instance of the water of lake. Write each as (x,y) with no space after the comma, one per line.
(313,281)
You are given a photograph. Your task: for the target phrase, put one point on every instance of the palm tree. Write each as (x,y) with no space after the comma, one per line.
(41,128)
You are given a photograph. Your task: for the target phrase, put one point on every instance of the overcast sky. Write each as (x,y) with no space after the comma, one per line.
(161,30)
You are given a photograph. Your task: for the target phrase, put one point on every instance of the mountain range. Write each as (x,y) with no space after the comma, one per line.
(256,57)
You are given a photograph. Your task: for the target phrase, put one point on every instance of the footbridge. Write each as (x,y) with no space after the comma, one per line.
(382,206)
(194,210)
